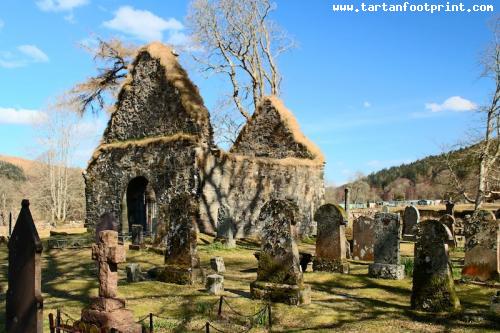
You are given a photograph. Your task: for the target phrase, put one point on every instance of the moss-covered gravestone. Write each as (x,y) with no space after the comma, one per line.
(279,275)
(433,288)
(182,264)
(363,238)
(387,262)
(226,228)
(482,260)
(331,240)
(24,310)
(137,237)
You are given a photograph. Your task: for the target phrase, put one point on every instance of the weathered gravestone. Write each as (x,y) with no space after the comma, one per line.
(363,234)
(182,264)
(134,273)
(386,253)
(279,275)
(107,311)
(482,239)
(226,228)
(217,264)
(215,284)
(411,217)
(137,237)
(433,288)
(449,221)
(330,240)
(107,221)
(24,311)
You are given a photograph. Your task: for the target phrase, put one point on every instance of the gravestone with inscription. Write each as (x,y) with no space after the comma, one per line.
(387,263)
(331,240)
(363,238)
(411,217)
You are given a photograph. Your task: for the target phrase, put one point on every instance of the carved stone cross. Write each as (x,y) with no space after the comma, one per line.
(108,255)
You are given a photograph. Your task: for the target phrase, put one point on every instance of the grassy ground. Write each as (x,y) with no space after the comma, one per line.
(354,303)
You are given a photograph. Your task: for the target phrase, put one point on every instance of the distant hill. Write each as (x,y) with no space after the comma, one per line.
(426,178)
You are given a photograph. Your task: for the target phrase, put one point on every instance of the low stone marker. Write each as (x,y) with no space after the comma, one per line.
(217,264)
(108,311)
(331,240)
(433,288)
(387,264)
(134,273)
(226,228)
(182,264)
(215,284)
(137,237)
(411,217)
(24,309)
(363,238)
(482,239)
(279,276)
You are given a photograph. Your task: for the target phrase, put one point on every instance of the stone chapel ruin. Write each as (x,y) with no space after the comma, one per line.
(158,144)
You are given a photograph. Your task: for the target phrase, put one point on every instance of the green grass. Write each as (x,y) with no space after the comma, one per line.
(354,303)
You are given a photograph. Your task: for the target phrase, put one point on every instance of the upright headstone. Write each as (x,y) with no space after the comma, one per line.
(279,275)
(182,264)
(346,201)
(331,240)
(482,239)
(107,311)
(137,237)
(433,288)
(107,221)
(387,263)
(450,207)
(449,221)
(363,234)
(411,217)
(24,311)
(226,228)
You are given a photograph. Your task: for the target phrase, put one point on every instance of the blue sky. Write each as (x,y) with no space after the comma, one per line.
(371,89)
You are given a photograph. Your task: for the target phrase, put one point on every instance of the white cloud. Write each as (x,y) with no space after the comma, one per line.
(367,104)
(455,103)
(21,116)
(60,5)
(142,24)
(33,52)
(25,55)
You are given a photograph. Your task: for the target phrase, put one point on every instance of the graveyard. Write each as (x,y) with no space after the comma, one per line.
(353,302)
(186,219)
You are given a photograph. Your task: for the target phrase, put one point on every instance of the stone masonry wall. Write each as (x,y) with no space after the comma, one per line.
(244,184)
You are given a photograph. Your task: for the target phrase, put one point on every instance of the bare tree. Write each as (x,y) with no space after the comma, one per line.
(56,135)
(486,147)
(241,42)
(112,58)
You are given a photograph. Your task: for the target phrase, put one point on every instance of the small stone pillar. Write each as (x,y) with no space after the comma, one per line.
(215,284)
(433,287)
(108,311)
(279,275)
(217,264)
(331,241)
(387,263)
(137,237)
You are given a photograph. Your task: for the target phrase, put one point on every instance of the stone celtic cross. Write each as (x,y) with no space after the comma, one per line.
(108,255)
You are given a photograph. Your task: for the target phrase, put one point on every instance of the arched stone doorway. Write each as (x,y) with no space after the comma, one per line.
(139,205)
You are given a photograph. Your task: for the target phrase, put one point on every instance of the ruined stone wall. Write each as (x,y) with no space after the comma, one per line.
(244,184)
(168,167)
